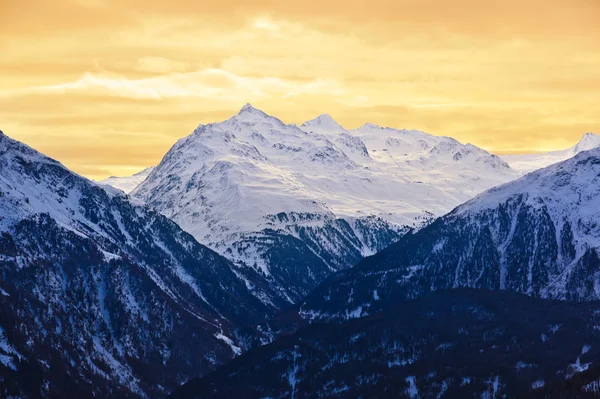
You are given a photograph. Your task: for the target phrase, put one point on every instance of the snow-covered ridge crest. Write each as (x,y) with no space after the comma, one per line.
(567,183)
(538,235)
(266,167)
(567,192)
(22,199)
(525,163)
(323,124)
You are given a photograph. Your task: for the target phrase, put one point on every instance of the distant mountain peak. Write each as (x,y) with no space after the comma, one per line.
(248,109)
(323,124)
(587,142)
(525,163)
(250,114)
(128,183)
(371,126)
(322,120)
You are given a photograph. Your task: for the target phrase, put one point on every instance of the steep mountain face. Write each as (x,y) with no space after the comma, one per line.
(453,344)
(538,235)
(102,297)
(128,183)
(526,163)
(298,203)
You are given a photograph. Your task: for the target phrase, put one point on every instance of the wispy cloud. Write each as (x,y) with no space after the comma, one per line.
(206,83)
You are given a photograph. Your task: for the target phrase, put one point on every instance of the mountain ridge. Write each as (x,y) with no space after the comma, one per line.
(537,235)
(128,183)
(239,184)
(110,292)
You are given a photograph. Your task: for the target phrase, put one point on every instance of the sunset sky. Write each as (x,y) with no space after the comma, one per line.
(107,86)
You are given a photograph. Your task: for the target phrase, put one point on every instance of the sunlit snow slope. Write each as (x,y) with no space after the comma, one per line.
(128,183)
(298,202)
(102,297)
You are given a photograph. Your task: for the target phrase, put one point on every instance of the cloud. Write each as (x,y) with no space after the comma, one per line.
(265,24)
(206,83)
(503,75)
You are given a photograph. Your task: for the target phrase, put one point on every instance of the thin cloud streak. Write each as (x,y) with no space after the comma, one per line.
(207,83)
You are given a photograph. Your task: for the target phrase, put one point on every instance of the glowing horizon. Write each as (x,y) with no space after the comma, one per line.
(106,87)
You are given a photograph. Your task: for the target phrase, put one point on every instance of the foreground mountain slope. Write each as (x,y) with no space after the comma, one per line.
(298,203)
(453,344)
(538,235)
(526,163)
(128,183)
(100,296)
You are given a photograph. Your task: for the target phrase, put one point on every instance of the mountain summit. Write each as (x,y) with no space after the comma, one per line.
(323,124)
(259,191)
(588,141)
(248,109)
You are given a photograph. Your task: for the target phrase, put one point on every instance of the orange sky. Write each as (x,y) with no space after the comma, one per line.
(107,86)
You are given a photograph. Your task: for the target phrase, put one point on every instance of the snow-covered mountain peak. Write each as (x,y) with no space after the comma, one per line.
(31,183)
(318,168)
(247,119)
(369,125)
(525,163)
(16,157)
(587,142)
(249,112)
(248,108)
(323,124)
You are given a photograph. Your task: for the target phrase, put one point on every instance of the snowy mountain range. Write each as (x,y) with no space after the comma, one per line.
(102,296)
(127,183)
(108,292)
(300,202)
(538,235)
(526,163)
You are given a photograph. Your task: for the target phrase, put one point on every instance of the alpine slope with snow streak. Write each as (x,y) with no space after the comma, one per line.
(114,295)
